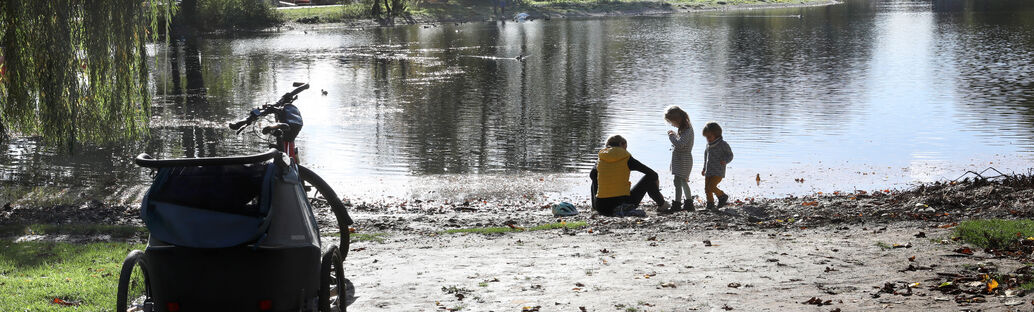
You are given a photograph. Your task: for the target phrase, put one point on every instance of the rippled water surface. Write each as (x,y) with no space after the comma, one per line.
(856,95)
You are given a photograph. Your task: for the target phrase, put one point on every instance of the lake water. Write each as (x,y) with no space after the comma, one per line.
(858,95)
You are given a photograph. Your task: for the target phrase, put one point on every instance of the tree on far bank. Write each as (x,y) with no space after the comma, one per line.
(391,9)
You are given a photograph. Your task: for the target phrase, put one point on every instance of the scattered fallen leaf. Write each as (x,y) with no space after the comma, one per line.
(59,301)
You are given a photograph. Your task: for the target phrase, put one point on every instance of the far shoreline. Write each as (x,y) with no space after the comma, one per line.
(548,12)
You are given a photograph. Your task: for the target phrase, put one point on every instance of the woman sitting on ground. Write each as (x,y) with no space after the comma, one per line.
(610,184)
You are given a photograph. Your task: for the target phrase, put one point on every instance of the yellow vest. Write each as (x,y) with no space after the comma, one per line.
(612,173)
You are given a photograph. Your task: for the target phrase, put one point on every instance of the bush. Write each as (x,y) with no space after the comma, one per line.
(236,14)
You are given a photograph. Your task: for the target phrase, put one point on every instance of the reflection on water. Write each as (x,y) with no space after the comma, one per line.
(898,90)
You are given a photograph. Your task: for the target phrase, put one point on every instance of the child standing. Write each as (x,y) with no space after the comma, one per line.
(716,156)
(681,155)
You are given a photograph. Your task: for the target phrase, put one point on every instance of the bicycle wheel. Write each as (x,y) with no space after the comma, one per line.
(340,211)
(332,276)
(133,282)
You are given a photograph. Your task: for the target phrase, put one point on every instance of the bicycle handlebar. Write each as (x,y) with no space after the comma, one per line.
(239,124)
(300,87)
(287,98)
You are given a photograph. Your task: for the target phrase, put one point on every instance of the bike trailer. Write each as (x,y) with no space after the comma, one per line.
(233,237)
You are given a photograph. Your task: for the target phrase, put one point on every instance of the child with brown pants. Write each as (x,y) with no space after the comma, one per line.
(716,156)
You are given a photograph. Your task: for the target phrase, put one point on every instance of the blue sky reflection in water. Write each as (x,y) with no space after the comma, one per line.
(865,94)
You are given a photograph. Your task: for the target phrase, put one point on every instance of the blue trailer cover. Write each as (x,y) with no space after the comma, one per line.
(209,206)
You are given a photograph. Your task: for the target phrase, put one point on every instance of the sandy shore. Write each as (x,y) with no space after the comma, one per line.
(853,252)
(641,269)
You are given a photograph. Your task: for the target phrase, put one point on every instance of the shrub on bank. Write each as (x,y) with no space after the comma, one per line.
(236,14)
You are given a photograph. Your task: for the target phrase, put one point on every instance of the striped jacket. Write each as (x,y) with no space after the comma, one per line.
(682,152)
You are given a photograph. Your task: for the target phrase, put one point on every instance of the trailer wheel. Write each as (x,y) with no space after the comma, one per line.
(130,289)
(332,276)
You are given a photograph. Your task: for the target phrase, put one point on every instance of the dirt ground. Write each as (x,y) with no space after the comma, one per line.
(647,270)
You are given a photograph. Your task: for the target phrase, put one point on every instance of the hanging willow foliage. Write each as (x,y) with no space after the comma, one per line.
(76,70)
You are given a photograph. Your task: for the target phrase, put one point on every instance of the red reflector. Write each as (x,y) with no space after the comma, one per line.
(265,305)
(173,306)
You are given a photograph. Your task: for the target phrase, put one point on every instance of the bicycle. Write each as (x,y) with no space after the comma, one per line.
(253,214)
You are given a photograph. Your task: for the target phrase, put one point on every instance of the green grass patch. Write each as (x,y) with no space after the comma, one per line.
(33,274)
(361,237)
(994,233)
(372,237)
(506,229)
(1028,286)
(327,14)
(116,231)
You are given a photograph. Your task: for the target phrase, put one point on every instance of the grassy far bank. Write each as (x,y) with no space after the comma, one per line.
(326,14)
(482,10)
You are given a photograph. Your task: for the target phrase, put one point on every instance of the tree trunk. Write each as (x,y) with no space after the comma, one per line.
(186,22)
(192,68)
(174,66)
(375,10)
